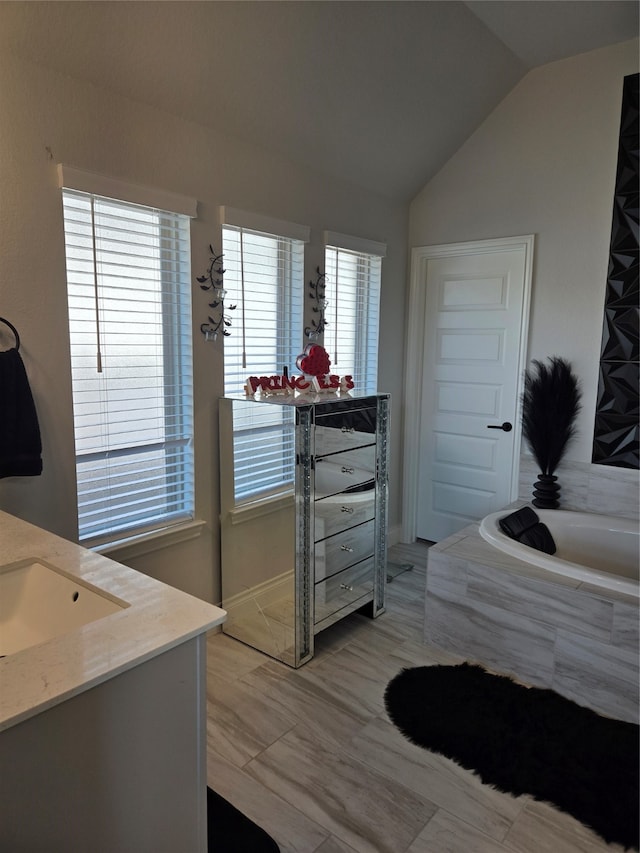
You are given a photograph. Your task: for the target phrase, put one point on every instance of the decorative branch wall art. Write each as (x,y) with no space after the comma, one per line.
(213,281)
(316,292)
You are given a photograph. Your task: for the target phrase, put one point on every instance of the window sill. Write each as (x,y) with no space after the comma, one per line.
(265,506)
(148,542)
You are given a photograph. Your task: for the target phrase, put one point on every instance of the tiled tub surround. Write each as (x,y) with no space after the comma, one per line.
(588,488)
(522,620)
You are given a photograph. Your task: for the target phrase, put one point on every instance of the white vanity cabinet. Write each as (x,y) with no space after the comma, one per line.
(304,516)
(103,719)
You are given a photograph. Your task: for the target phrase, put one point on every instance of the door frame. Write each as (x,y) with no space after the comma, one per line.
(420,256)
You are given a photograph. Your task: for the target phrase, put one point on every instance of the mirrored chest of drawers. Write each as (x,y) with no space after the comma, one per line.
(303,517)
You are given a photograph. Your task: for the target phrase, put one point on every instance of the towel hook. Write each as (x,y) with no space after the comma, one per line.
(13,329)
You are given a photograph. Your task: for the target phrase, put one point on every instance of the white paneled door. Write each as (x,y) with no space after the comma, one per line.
(475,301)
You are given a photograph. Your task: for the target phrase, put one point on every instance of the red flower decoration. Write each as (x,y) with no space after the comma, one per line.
(314,361)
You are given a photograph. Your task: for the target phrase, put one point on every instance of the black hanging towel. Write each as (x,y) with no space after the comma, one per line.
(20,443)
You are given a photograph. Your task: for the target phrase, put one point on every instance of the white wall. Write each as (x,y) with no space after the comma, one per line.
(544,162)
(46,118)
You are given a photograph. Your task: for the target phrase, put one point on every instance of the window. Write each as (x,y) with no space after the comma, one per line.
(264,279)
(352,290)
(129,297)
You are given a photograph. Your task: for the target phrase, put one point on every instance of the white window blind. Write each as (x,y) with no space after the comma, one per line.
(264,279)
(129,297)
(352,290)
(263,451)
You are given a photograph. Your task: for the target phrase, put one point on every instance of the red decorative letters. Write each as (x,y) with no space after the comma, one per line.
(290,384)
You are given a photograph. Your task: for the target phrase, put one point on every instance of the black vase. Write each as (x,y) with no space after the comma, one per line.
(546,492)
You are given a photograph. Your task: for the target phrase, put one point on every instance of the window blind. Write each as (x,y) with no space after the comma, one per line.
(352,290)
(263,451)
(264,280)
(129,298)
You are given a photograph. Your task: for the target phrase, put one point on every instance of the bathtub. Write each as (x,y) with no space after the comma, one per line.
(596,549)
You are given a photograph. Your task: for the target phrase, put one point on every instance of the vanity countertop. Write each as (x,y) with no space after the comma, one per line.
(157,619)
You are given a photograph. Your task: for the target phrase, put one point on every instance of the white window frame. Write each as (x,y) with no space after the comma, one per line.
(283,312)
(120,519)
(353,312)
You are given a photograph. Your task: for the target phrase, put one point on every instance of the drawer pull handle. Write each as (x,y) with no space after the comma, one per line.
(346,586)
(348,429)
(346,548)
(348,509)
(346,470)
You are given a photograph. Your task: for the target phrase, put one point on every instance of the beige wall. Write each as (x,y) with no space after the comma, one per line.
(544,163)
(46,118)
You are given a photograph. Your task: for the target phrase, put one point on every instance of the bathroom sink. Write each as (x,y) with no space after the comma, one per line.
(39,602)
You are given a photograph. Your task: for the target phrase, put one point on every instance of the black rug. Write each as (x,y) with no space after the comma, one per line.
(525,741)
(231,832)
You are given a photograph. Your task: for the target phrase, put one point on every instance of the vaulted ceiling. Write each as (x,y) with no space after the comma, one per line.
(374,92)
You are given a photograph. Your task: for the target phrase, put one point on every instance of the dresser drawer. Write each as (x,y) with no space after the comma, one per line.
(339,512)
(344,549)
(343,589)
(344,431)
(343,472)
(339,413)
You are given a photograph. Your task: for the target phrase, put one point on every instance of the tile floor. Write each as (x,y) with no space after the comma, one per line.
(311,756)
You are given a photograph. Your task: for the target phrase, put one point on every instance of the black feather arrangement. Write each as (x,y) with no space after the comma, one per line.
(550,403)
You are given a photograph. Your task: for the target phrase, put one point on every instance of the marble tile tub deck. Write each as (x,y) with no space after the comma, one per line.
(549,631)
(311,755)
(585,487)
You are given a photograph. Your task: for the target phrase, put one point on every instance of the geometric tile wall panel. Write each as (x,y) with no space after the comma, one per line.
(618,388)
(617,430)
(620,336)
(616,442)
